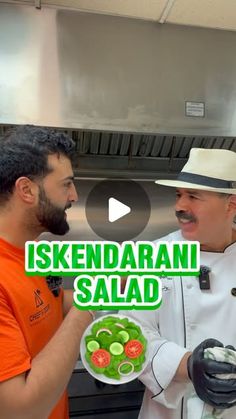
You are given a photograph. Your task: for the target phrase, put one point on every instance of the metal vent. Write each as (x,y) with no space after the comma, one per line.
(140,145)
(112,154)
(138,155)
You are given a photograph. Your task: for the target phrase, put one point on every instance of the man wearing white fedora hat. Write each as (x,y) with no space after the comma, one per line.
(197,313)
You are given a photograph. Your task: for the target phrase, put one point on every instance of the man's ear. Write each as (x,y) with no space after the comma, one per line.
(232,203)
(26,189)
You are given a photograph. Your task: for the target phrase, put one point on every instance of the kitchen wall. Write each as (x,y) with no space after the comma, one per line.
(68,69)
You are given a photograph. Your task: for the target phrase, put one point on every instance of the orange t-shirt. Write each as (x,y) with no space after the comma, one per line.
(29,316)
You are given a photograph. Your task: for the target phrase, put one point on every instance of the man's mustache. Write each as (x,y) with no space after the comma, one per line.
(185,216)
(68,206)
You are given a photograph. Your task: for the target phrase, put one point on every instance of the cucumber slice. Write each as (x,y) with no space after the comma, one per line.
(116,348)
(124,336)
(93,345)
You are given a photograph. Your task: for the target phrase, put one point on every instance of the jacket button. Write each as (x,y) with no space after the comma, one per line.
(233,292)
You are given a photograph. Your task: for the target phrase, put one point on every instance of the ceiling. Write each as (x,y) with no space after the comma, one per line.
(220,14)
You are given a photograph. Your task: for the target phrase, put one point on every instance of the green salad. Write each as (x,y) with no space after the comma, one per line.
(115,347)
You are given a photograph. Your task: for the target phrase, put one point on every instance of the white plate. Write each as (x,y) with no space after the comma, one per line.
(102,377)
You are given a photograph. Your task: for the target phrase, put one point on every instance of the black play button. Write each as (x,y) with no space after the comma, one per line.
(118,210)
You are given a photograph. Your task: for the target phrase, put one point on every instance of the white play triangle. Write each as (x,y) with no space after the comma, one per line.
(116,210)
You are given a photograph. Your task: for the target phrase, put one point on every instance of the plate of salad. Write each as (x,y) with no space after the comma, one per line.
(114,349)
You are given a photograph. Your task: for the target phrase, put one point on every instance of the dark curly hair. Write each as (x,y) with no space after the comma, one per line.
(24,151)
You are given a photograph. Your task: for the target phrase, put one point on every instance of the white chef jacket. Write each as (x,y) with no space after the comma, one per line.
(187,316)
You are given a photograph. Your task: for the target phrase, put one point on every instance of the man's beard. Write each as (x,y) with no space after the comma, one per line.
(50,216)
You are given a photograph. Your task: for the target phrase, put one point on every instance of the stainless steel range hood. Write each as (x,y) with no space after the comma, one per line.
(102,154)
(93,72)
(137,155)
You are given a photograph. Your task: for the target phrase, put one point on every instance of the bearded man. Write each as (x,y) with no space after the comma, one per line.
(40,330)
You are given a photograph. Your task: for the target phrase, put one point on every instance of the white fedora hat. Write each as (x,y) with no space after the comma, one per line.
(207,169)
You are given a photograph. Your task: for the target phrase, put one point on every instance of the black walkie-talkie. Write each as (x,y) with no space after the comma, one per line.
(204,278)
(54,284)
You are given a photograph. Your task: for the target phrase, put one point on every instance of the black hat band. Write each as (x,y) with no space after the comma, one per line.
(206,181)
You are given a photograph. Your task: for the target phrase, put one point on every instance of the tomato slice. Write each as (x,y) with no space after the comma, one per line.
(101,358)
(133,348)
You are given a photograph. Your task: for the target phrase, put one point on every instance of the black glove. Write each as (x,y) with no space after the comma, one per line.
(219,393)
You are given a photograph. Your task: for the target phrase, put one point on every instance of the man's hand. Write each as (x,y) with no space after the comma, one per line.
(219,393)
